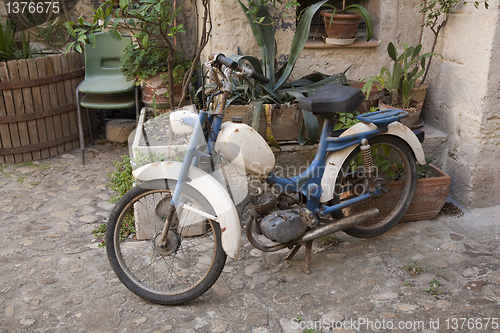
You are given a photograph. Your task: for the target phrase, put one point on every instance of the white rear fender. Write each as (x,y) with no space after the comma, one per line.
(211,189)
(335,160)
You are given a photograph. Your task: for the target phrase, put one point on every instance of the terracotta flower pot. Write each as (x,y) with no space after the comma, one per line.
(155,85)
(428,200)
(414,112)
(372,100)
(343,27)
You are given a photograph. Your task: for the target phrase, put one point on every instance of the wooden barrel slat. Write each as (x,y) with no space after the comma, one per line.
(11,111)
(38,113)
(4,129)
(70,98)
(29,108)
(61,94)
(13,68)
(47,104)
(38,107)
(54,101)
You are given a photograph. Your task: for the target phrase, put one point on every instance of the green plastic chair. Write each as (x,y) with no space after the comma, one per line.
(104,86)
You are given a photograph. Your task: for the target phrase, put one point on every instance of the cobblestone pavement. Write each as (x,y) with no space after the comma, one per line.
(54,278)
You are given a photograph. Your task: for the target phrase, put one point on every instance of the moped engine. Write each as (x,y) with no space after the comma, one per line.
(283,226)
(281,218)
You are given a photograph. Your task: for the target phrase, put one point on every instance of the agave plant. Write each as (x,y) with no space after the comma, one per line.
(278,90)
(8,47)
(400,82)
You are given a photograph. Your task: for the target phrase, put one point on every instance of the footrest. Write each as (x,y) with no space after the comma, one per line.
(112,101)
(382,118)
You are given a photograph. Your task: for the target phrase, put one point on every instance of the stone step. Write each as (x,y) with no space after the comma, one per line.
(435,146)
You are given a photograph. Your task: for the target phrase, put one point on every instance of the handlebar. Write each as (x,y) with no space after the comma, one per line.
(223,60)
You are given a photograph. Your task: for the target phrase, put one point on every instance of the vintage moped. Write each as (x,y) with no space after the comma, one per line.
(361,181)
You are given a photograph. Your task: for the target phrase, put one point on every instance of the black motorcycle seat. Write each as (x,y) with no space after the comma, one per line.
(331,99)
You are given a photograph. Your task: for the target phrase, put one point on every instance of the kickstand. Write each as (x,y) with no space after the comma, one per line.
(308,257)
(307,261)
(293,252)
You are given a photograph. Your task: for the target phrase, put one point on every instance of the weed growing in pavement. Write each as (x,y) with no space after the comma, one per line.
(434,285)
(127,229)
(121,180)
(413,270)
(328,240)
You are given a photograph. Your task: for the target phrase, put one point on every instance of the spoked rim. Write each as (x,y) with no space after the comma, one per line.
(158,271)
(395,172)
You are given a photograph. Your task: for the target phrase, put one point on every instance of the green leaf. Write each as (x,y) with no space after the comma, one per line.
(68,27)
(106,21)
(80,20)
(256,108)
(312,129)
(92,39)
(298,42)
(366,17)
(264,36)
(393,53)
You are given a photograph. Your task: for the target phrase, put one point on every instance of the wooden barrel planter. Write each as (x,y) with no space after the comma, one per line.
(38,117)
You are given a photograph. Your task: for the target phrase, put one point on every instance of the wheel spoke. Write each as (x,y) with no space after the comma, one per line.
(188,264)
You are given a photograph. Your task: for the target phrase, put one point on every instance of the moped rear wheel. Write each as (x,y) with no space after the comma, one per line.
(190,263)
(395,171)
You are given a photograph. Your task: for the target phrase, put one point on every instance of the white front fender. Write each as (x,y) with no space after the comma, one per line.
(211,189)
(335,160)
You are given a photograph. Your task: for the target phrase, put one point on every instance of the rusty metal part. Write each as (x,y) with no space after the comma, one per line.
(40,81)
(308,217)
(163,240)
(338,225)
(307,262)
(366,153)
(248,229)
(294,251)
(263,204)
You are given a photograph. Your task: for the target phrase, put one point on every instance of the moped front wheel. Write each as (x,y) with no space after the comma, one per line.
(186,267)
(395,171)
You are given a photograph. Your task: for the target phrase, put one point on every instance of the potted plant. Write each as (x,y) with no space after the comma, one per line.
(341,26)
(150,67)
(399,83)
(154,26)
(276,97)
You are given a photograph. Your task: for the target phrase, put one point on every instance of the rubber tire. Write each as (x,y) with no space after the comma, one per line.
(218,261)
(412,174)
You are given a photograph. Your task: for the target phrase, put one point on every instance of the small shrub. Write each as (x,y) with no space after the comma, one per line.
(121,180)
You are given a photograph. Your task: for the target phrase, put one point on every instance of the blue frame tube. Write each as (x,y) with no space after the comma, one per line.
(188,159)
(348,203)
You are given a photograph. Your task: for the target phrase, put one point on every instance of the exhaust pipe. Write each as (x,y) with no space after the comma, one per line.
(338,225)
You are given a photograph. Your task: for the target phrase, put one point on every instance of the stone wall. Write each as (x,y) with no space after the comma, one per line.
(396,21)
(463,102)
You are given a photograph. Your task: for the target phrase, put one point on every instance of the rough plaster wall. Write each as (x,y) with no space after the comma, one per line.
(232,30)
(462,97)
(396,21)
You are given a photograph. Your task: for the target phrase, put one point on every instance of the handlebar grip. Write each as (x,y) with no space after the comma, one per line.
(226,61)
(260,78)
